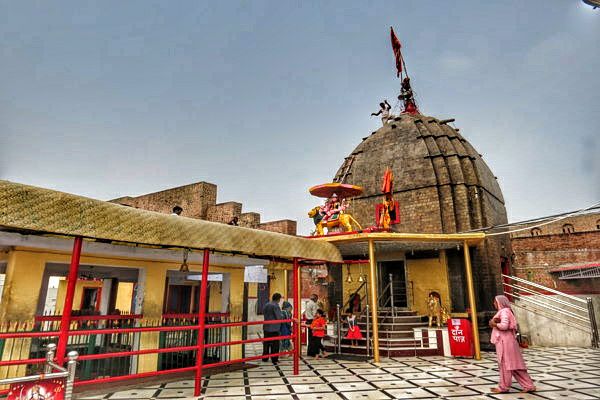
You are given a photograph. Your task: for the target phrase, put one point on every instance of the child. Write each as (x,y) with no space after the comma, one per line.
(318,327)
(354,332)
(286,328)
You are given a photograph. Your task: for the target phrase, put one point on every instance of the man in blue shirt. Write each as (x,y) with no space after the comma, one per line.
(272,312)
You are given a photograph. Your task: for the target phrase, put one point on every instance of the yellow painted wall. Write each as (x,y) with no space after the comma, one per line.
(278,284)
(81,284)
(215,298)
(350,287)
(124,296)
(22,285)
(425,276)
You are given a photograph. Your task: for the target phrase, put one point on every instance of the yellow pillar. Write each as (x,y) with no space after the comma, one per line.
(299,306)
(472,305)
(285,284)
(22,285)
(236,306)
(24,272)
(373,295)
(154,289)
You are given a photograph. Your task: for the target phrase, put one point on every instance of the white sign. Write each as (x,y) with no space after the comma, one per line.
(211,277)
(255,273)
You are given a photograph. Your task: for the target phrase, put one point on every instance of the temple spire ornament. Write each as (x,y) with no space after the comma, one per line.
(406,95)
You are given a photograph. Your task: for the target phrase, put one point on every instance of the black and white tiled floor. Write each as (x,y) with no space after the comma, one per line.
(559,373)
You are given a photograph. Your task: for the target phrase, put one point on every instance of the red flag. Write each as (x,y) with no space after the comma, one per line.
(396,47)
(388,181)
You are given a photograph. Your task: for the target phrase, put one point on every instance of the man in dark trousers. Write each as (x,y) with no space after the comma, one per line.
(272,312)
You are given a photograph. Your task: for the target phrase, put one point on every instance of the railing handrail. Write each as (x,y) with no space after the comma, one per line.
(383,291)
(533,292)
(545,288)
(552,308)
(551,303)
(352,295)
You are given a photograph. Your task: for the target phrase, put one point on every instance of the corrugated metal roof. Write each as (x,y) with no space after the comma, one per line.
(38,210)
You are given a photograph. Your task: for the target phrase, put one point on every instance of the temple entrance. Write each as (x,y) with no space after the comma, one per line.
(395,272)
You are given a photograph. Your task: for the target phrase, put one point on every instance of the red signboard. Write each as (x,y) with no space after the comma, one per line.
(48,389)
(461,338)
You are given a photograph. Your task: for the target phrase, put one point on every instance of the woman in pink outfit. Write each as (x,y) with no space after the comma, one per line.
(510,360)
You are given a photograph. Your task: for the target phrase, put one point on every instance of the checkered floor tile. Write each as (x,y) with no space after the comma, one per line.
(560,373)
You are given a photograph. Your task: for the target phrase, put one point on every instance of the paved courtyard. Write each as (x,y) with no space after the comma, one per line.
(560,373)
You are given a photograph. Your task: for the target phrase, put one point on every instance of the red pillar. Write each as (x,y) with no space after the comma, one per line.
(297,307)
(201,322)
(65,320)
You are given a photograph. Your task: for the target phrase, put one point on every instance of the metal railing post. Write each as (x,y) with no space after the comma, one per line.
(339,330)
(392,294)
(71,367)
(368,331)
(49,357)
(593,324)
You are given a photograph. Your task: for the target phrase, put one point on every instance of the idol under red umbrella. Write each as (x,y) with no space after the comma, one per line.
(342,190)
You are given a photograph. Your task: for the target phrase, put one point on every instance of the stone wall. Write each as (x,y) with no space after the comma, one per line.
(224,212)
(195,199)
(535,256)
(286,226)
(582,223)
(199,200)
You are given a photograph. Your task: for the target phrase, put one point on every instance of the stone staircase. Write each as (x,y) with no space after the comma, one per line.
(402,333)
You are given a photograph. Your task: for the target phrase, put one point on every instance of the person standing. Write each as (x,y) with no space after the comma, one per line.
(318,327)
(510,359)
(272,312)
(286,327)
(384,111)
(310,312)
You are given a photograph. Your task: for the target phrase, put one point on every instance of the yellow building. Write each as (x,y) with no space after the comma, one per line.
(137,269)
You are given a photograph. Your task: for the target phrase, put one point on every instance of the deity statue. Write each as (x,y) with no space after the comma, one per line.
(332,214)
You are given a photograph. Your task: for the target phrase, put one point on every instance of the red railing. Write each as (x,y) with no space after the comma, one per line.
(104,331)
(117,354)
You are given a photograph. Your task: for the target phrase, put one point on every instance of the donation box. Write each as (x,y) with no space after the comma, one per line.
(45,389)
(461,337)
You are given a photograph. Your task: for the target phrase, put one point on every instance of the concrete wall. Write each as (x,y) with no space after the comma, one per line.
(557,331)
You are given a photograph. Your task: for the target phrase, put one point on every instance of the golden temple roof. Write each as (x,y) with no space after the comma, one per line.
(44,211)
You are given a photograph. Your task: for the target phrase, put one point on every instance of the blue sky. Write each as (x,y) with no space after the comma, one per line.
(265,99)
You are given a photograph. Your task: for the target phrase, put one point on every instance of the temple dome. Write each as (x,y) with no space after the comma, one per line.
(442,185)
(440,181)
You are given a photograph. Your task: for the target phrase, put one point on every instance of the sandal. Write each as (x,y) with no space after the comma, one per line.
(496,391)
(529,390)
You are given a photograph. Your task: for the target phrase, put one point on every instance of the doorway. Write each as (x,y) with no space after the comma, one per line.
(395,272)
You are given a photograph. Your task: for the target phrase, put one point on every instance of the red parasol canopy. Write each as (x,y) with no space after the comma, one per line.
(343,190)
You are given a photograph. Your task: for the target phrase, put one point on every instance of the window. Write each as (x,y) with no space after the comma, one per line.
(568,228)
(598,224)
(536,232)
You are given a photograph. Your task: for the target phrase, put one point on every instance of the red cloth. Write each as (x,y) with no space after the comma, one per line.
(318,327)
(396,47)
(388,181)
(354,333)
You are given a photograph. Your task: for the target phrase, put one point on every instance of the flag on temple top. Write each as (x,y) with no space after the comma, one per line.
(396,47)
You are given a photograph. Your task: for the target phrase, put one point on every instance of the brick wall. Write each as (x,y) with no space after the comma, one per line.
(581,223)
(199,200)
(535,256)
(224,212)
(285,226)
(195,199)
